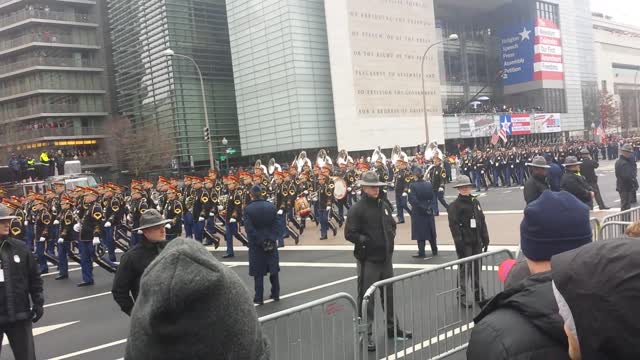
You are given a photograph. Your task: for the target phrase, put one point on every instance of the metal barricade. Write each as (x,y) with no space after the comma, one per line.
(321,329)
(595,228)
(631,215)
(437,305)
(613,230)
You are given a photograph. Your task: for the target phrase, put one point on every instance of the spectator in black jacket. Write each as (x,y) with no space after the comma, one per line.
(21,283)
(588,171)
(371,227)
(597,288)
(523,322)
(626,177)
(574,183)
(537,182)
(126,282)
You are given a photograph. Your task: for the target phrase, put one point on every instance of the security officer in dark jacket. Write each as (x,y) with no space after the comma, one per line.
(371,227)
(537,183)
(20,281)
(588,171)
(574,183)
(126,283)
(626,177)
(470,236)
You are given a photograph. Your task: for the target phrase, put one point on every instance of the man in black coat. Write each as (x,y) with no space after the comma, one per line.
(470,236)
(126,283)
(574,183)
(523,322)
(626,177)
(262,226)
(537,182)
(21,282)
(371,227)
(588,171)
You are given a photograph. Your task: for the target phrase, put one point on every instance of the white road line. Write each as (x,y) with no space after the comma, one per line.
(354,265)
(350,248)
(77,299)
(81,352)
(43,329)
(432,341)
(313,289)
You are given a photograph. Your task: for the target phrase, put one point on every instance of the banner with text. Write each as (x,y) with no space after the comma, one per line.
(520,124)
(517,53)
(547,53)
(546,123)
(472,126)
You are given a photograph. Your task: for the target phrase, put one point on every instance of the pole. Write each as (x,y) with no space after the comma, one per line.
(424,96)
(204,105)
(635,97)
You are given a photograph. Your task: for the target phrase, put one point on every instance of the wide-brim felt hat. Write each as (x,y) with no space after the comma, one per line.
(151,218)
(627,148)
(572,160)
(539,162)
(5,213)
(370,178)
(462,180)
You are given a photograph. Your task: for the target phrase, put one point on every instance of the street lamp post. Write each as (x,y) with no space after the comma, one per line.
(451,37)
(170,53)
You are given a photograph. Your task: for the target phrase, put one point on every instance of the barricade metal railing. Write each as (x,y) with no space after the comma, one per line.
(437,305)
(631,215)
(322,329)
(613,230)
(595,228)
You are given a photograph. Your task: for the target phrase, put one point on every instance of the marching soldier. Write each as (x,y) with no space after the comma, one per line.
(326,170)
(66,220)
(17,224)
(325,202)
(437,177)
(41,220)
(173,211)
(383,172)
(137,207)
(402,179)
(209,208)
(200,197)
(351,178)
(90,230)
(112,210)
(233,213)
(280,201)
(342,173)
(52,205)
(291,190)
(187,199)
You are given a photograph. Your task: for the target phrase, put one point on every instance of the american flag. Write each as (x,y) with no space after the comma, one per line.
(494,138)
(503,135)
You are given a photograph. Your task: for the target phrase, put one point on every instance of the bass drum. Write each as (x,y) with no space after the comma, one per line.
(302,207)
(339,188)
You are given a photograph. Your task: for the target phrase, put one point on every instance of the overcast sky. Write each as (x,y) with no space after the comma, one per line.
(627,11)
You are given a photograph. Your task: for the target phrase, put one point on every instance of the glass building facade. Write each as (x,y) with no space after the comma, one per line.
(164,93)
(54,91)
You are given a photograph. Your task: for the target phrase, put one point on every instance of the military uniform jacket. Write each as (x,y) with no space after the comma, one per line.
(113,210)
(383,174)
(42,220)
(290,189)
(173,211)
(234,205)
(138,207)
(351,177)
(325,195)
(54,206)
(281,197)
(437,176)
(66,224)
(17,225)
(402,181)
(91,222)
(198,203)
(207,202)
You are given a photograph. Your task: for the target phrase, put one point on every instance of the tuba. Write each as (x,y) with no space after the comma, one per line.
(398,154)
(343,157)
(301,160)
(323,159)
(258,165)
(378,155)
(273,167)
(431,151)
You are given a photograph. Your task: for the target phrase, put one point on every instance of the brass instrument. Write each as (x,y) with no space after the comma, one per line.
(301,160)
(323,159)
(273,167)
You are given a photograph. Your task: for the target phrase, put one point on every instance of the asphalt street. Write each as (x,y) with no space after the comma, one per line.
(85,323)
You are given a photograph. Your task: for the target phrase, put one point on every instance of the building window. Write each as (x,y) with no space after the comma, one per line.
(548,11)
(604,85)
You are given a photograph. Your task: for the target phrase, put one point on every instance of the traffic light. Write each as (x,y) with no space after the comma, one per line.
(207,135)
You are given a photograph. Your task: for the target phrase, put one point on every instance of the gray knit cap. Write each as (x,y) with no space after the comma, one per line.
(191,306)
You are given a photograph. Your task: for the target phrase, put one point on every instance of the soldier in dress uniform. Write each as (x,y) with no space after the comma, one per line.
(187,218)
(17,224)
(29,209)
(325,202)
(437,176)
(279,198)
(112,212)
(66,222)
(402,180)
(53,207)
(233,213)
(42,221)
(90,233)
(342,174)
(147,186)
(209,209)
(138,205)
(351,178)
(327,171)
(200,198)
(173,211)
(382,172)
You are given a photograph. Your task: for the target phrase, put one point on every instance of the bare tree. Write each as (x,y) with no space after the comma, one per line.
(609,112)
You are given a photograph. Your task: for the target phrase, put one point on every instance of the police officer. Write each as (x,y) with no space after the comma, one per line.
(126,282)
(470,235)
(21,285)
(574,183)
(626,177)
(588,170)
(537,182)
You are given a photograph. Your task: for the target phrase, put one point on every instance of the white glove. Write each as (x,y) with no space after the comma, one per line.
(41,239)
(280,212)
(232,220)
(56,222)
(306,192)
(167,226)
(158,208)
(220,208)
(359,192)
(212,214)
(404,194)
(96,240)
(200,218)
(349,189)
(139,232)
(60,241)
(77,227)
(107,224)
(26,223)
(441,189)
(53,209)
(328,208)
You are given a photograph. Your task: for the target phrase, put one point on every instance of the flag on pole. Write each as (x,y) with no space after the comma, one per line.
(494,137)
(503,135)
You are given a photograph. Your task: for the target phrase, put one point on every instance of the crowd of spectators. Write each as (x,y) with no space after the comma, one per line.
(479,107)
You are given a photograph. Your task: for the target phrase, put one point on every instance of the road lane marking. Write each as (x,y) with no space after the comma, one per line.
(354,265)
(43,329)
(77,299)
(312,289)
(350,248)
(95,348)
(430,342)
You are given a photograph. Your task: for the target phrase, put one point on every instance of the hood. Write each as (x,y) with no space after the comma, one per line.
(532,298)
(601,284)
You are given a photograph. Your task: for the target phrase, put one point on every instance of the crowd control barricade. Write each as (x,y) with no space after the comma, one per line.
(613,230)
(631,215)
(595,228)
(321,329)
(437,305)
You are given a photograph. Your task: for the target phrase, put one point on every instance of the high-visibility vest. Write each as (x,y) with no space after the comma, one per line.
(31,164)
(44,158)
